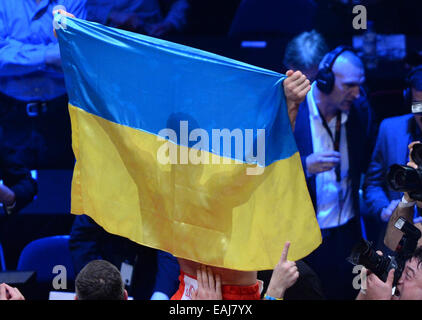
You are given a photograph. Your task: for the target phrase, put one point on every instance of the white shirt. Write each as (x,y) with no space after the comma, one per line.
(328,190)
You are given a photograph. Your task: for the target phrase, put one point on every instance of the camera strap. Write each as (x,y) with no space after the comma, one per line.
(336,143)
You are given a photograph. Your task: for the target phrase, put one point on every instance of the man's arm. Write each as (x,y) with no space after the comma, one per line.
(175,19)
(85,239)
(296,86)
(167,276)
(177,14)
(18,58)
(392,234)
(19,188)
(374,185)
(77,8)
(285,274)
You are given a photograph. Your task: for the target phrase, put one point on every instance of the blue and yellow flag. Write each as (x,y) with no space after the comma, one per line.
(183,150)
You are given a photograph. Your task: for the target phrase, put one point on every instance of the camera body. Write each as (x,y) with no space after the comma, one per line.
(364,254)
(408,179)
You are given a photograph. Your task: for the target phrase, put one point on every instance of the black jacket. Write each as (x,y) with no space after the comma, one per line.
(361,134)
(16,176)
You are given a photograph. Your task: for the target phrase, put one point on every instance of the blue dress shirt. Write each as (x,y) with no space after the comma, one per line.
(26,43)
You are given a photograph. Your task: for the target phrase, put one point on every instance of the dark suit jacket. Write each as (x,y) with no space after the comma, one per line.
(16,176)
(361,134)
(391,147)
(153,270)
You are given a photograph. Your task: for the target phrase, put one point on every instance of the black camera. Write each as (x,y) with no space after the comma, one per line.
(407,179)
(364,254)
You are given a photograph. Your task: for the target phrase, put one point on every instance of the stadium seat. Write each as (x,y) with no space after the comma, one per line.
(44,254)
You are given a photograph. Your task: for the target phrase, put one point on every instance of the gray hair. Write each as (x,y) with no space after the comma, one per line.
(305,51)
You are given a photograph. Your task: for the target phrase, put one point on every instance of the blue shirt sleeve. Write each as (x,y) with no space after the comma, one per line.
(167,277)
(17,57)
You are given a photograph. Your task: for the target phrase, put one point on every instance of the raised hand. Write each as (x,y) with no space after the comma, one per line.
(296,86)
(285,275)
(209,288)
(9,293)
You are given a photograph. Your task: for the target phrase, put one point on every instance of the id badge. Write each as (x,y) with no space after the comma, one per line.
(126,270)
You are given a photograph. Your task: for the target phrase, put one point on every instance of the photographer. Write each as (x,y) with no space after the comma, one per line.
(404,209)
(409,286)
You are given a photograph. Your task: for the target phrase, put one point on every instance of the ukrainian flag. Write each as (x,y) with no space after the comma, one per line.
(151,166)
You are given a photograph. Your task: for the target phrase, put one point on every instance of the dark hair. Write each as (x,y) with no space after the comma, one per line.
(305,51)
(418,255)
(415,80)
(99,280)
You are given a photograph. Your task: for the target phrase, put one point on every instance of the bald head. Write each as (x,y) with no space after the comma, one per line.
(345,59)
(349,75)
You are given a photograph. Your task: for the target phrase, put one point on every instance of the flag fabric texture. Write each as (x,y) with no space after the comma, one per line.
(124,89)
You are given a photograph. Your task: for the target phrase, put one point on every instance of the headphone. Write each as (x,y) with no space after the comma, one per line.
(407,92)
(325,77)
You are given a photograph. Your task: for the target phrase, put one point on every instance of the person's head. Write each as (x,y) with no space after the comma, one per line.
(409,287)
(304,53)
(100,280)
(349,75)
(414,83)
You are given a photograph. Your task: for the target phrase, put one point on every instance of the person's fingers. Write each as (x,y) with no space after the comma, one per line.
(289,73)
(204,277)
(412,165)
(64,13)
(393,204)
(300,86)
(218,284)
(390,277)
(218,287)
(2,291)
(330,160)
(211,283)
(297,81)
(410,146)
(370,278)
(330,154)
(379,252)
(14,293)
(195,294)
(305,91)
(295,76)
(285,252)
(385,215)
(199,277)
(327,166)
(411,149)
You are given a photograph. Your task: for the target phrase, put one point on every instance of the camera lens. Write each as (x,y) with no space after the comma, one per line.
(364,254)
(404,178)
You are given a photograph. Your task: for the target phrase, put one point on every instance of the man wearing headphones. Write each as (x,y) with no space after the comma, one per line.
(395,134)
(335,133)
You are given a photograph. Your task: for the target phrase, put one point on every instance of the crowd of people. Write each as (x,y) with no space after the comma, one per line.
(345,156)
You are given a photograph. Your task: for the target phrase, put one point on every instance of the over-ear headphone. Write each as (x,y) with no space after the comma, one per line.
(407,92)
(325,77)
